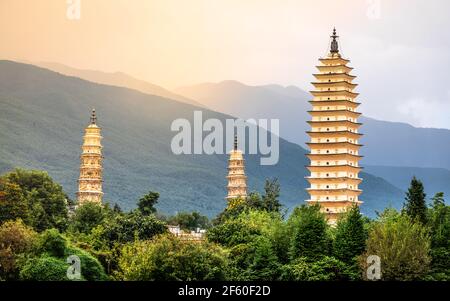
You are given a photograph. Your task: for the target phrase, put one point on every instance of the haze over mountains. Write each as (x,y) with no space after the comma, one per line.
(396,148)
(43,115)
(119,79)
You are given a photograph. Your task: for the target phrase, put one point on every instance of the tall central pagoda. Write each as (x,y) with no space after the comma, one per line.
(90,181)
(334,147)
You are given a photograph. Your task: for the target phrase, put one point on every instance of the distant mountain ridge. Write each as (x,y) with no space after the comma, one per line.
(119,79)
(43,114)
(434,179)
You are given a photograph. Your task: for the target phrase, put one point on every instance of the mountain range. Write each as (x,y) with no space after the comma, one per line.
(43,114)
(394,148)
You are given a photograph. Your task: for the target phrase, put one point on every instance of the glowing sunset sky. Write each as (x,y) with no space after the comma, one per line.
(401,55)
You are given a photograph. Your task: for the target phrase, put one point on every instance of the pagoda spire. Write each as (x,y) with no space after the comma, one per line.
(334,44)
(93,117)
(237,181)
(90,180)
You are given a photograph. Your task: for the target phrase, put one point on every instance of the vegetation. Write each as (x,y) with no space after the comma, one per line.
(251,239)
(167,258)
(415,205)
(402,245)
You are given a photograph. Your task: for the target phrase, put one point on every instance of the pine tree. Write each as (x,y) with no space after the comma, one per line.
(310,237)
(146,204)
(351,236)
(415,206)
(270,200)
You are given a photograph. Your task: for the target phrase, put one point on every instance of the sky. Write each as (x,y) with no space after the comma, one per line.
(400,49)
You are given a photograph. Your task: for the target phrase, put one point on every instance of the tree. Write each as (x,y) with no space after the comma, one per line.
(146,204)
(254,201)
(16,241)
(190,221)
(325,269)
(167,258)
(232,232)
(402,245)
(13,203)
(415,205)
(45,198)
(310,237)
(44,268)
(49,268)
(91,269)
(263,261)
(117,208)
(350,236)
(270,200)
(439,223)
(438,200)
(128,227)
(52,243)
(86,217)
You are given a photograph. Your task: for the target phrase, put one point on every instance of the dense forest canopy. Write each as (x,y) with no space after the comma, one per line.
(252,239)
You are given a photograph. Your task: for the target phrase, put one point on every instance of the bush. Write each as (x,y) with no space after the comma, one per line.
(44,268)
(86,217)
(91,269)
(52,243)
(189,221)
(402,245)
(16,241)
(167,258)
(128,227)
(325,269)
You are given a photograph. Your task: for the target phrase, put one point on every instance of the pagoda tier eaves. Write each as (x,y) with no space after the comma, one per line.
(332,179)
(315,134)
(334,74)
(333,190)
(323,67)
(326,112)
(343,156)
(334,102)
(346,83)
(332,168)
(97,180)
(334,122)
(332,202)
(334,143)
(331,93)
(329,59)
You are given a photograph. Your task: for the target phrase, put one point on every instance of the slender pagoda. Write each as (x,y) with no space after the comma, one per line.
(90,181)
(334,147)
(237,181)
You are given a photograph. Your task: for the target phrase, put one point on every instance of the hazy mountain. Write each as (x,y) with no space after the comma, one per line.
(434,179)
(43,115)
(289,105)
(119,79)
(385,143)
